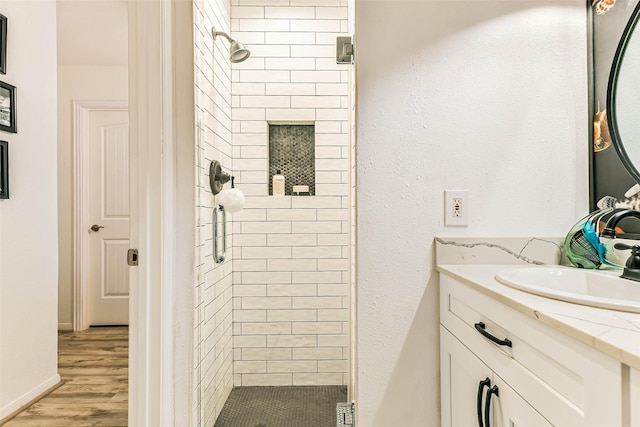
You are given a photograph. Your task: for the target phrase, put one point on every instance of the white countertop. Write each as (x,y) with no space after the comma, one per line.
(614,333)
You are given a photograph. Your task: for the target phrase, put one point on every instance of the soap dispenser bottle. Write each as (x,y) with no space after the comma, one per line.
(278,184)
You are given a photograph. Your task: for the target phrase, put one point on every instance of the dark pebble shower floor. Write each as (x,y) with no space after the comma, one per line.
(291,406)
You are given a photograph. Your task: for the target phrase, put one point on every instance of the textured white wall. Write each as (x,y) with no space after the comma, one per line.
(28,220)
(76,83)
(489,96)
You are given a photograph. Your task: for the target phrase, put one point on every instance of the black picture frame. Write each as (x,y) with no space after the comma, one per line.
(4,170)
(3,44)
(8,108)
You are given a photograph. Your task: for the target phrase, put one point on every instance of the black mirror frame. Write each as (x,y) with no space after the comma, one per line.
(611,94)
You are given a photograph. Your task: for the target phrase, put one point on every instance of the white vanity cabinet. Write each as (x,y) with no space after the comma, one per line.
(544,378)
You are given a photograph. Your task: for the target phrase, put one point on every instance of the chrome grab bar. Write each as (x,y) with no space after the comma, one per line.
(219,258)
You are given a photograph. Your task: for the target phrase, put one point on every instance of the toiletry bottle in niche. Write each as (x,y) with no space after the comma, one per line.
(278,184)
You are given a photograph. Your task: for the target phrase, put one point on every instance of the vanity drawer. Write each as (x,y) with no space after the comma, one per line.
(569,383)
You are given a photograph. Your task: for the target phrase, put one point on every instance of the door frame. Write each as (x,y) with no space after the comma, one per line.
(81,122)
(162,192)
(162,155)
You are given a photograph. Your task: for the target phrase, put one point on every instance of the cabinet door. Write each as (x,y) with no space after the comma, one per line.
(511,410)
(634,397)
(461,374)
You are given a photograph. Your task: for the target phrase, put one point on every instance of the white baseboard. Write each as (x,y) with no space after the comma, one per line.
(29,396)
(65,327)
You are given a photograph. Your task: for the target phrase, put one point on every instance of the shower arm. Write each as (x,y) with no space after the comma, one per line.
(215,34)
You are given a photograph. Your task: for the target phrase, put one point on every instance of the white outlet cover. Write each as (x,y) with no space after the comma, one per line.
(449,219)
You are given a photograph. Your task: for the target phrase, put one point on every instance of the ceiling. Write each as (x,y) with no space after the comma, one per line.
(92,32)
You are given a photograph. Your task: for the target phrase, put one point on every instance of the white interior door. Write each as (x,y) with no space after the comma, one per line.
(108,228)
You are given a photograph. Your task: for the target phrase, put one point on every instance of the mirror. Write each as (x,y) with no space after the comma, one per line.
(610,182)
(623,97)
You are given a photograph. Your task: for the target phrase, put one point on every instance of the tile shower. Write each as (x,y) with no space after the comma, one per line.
(276,312)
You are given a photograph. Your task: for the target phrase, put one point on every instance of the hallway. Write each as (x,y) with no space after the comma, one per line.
(93,365)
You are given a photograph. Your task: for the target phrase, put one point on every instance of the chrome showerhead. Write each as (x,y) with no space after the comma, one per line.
(237,51)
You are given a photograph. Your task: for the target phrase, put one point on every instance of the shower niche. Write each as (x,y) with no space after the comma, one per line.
(292,152)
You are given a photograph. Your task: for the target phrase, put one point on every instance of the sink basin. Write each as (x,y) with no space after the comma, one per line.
(604,289)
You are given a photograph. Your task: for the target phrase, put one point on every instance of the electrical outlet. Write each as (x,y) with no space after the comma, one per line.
(456,208)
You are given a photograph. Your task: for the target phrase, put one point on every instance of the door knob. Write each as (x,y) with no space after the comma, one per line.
(96,227)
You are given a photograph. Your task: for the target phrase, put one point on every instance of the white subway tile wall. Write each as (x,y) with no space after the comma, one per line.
(213,334)
(277,311)
(291,254)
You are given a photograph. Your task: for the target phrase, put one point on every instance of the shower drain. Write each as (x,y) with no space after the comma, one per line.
(344,412)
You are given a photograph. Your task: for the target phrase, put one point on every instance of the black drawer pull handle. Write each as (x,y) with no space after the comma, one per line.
(484,383)
(480,327)
(487,405)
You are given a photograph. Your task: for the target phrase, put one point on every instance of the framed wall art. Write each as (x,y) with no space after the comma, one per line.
(4,170)
(8,108)
(3,44)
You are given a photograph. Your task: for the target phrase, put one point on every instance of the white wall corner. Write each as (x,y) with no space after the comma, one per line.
(28,397)
(161,84)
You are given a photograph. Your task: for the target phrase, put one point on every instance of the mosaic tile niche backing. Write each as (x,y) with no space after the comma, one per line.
(292,150)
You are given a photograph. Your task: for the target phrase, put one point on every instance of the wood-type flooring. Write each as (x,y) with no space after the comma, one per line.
(94,367)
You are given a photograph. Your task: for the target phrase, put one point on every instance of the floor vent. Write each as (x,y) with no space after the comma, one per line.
(344,413)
